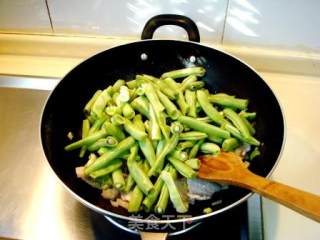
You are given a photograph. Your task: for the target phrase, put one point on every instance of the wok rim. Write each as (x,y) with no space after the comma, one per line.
(152,221)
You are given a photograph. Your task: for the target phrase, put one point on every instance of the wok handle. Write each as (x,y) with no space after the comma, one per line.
(171,19)
(153,236)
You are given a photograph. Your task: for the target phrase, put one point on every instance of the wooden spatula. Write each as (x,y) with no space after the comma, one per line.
(229,168)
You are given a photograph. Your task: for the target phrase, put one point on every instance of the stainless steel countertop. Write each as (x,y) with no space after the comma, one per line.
(33,205)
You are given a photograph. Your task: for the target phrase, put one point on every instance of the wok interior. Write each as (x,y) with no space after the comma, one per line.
(63,112)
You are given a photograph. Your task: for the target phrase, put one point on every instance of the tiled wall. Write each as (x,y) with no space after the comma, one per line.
(291,24)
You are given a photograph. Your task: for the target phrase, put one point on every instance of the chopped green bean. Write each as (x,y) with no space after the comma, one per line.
(116,86)
(140,177)
(210,148)
(171,109)
(118,179)
(226,100)
(106,158)
(192,136)
(129,184)
(194,163)
(100,103)
(104,142)
(153,98)
(255,153)
(113,165)
(204,127)
(141,105)
(134,131)
(197,71)
(248,115)
(211,111)
(148,150)
(194,151)
(135,200)
(230,144)
(182,168)
(187,82)
(114,130)
(87,108)
(155,128)
(85,133)
(165,89)
(191,102)
(127,111)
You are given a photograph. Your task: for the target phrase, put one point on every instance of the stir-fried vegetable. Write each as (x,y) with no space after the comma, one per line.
(143,136)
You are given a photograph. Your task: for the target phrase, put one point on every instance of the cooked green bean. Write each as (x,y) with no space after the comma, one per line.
(184,107)
(185,145)
(147,150)
(251,129)
(175,197)
(141,105)
(197,71)
(127,111)
(196,85)
(230,144)
(248,115)
(211,111)
(134,131)
(237,121)
(132,84)
(165,89)
(86,141)
(140,177)
(106,158)
(191,101)
(135,200)
(169,146)
(112,110)
(204,127)
(113,165)
(176,127)
(85,133)
(137,121)
(129,184)
(97,124)
(194,163)
(153,98)
(103,142)
(155,128)
(116,86)
(118,179)
(171,109)
(194,150)
(210,148)
(187,82)
(192,136)
(226,100)
(101,102)
(179,154)
(255,153)
(114,130)
(182,168)
(87,108)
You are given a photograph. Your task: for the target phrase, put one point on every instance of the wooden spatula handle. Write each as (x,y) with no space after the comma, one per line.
(303,202)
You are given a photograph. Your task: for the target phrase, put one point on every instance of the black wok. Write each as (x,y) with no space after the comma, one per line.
(225,73)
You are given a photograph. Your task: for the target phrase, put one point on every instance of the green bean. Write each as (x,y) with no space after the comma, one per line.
(204,119)
(124,96)
(113,165)
(86,141)
(146,78)
(248,115)
(85,133)
(191,102)
(209,148)
(106,158)
(148,150)
(163,200)
(207,210)
(230,144)
(179,154)
(196,85)
(114,130)
(92,118)
(160,146)
(171,109)
(104,181)
(127,111)
(194,151)
(211,111)
(197,71)
(175,197)
(185,145)
(137,121)
(176,127)
(255,153)
(103,150)
(132,84)
(100,103)
(88,107)
(135,200)
(104,142)
(97,124)
(118,179)
(251,129)
(133,154)
(187,81)
(153,98)
(215,139)
(237,122)
(192,136)
(141,105)
(112,110)
(92,158)
(184,107)
(129,184)
(194,163)
(170,145)
(182,168)
(226,100)
(153,195)
(166,90)
(145,166)
(116,86)
(173,85)
(134,131)
(204,127)
(155,128)
(140,177)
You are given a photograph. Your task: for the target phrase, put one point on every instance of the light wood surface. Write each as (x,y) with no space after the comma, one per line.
(229,168)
